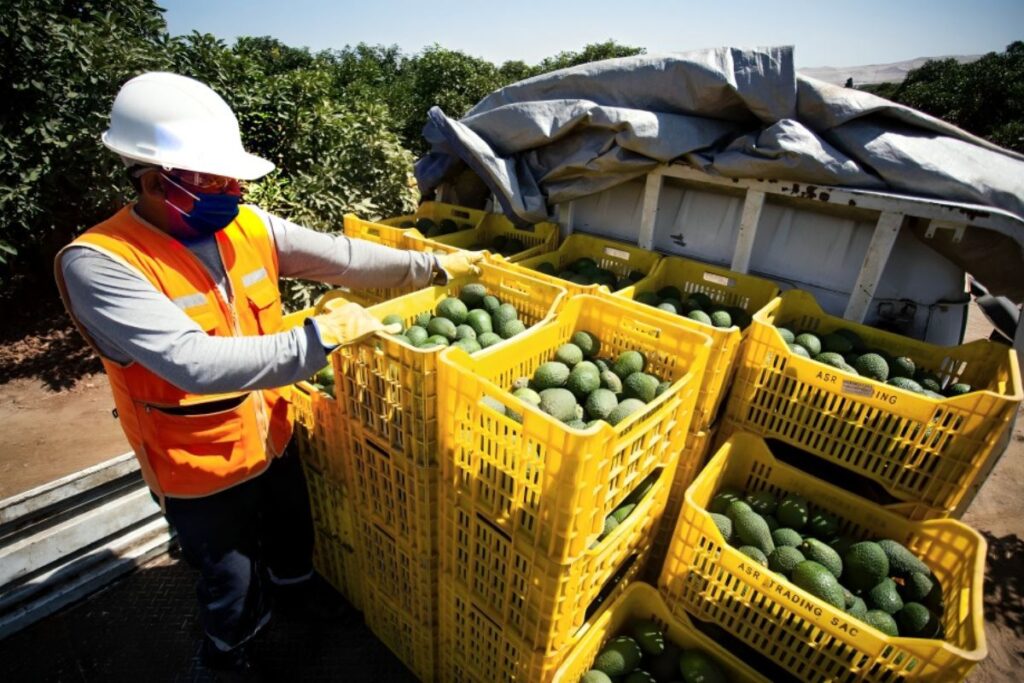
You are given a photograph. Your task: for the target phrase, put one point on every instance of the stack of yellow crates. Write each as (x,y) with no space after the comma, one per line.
(916,452)
(318,437)
(725,288)
(390,396)
(524,498)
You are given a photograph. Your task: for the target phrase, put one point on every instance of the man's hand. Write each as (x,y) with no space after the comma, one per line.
(343,322)
(460,263)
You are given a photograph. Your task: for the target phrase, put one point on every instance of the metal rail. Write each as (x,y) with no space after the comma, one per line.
(64,540)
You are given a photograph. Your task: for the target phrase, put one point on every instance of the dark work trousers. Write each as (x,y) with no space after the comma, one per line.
(243,539)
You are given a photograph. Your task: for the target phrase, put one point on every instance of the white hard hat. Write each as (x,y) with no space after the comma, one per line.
(177,122)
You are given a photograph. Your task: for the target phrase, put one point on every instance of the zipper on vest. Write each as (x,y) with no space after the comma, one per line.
(261,408)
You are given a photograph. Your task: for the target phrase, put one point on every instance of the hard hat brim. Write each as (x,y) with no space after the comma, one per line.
(241,166)
(246,167)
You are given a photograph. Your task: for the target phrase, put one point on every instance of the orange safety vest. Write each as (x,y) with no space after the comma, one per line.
(186,449)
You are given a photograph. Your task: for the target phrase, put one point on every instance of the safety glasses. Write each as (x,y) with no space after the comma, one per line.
(204,182)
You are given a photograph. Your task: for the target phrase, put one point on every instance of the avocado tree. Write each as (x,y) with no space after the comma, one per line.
(449,79)
(593,52)
(985,97)
(63,64)
(340,125)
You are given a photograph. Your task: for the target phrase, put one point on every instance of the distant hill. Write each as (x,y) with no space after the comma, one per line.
(875,73)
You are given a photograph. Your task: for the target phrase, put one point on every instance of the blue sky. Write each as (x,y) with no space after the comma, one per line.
(833,33)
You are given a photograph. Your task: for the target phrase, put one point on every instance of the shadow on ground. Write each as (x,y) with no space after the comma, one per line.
(1004,582)
(39,341)
(145,627)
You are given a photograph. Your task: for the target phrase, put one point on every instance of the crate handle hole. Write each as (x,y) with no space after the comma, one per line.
(643,328)
(609,586)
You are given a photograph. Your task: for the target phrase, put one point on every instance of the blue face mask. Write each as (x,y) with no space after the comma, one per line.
(211,212)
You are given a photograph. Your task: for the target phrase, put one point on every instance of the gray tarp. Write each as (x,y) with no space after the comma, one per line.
(729,112)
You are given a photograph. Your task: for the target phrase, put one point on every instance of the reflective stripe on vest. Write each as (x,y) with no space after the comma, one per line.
(196,444)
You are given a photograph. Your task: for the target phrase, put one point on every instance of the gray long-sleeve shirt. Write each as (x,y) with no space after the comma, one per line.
(129,320)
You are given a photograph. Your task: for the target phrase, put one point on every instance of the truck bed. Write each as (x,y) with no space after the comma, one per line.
(145,627)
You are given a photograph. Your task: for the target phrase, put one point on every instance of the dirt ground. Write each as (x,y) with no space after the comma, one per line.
(55,403)
(56,408)
(79,431)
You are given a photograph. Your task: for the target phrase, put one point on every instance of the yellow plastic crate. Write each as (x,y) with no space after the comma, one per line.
(641,601)
(334,553)
(296,318)
(540,602)
(407,576)
(390,389)
(378,232)
(395,505)
(319,430)
(388,236)
(465,218)
(414,642)
(499,657)
(714,581)
(301,399)
(922,450)
(330,507)
(539,481)
(725,288)
(332,560)
(691,461)
(537,239)
(618,257)
(319,427)
(394,493)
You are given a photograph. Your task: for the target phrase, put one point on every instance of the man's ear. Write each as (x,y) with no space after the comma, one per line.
(150,184)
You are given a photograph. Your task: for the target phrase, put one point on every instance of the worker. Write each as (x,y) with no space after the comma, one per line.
(178,294)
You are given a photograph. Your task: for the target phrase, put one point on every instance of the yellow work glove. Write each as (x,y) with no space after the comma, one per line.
(460,263)
(343,322)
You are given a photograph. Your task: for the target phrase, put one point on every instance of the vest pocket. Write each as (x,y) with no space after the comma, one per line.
(195,454)
(265,301)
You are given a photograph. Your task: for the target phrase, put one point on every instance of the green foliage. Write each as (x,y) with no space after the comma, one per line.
(63,64)
(448,79)
(515,70)
(341,125)
(985,97)
(591,53)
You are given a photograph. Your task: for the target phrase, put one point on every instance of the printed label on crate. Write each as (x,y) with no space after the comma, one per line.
(867,391)
(786,593)
(721,280)
(857,388)
(617,253)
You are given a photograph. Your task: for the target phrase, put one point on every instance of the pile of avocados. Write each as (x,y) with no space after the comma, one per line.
(501,244)
(586,271)
(880,582)
(579,388)
(844,350)
(642,654)
(430,228)
(697,306)
(473,320)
